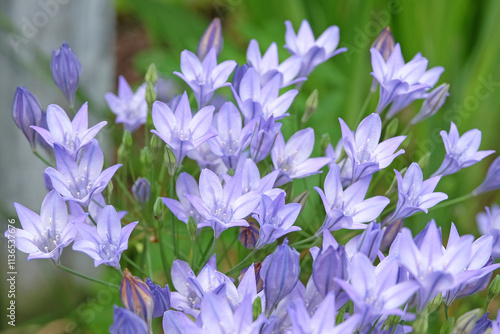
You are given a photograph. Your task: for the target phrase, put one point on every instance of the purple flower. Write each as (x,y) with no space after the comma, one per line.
(461,152)
(181,130)
(205,158)
(367,242)
(175,322)
(263,138)
(26,111)
(276,219)
(204,77)
(223,207)
(363,148)
(267,66)
(322,321)
(130,108)
(218,316)
(415,194)
(400,83)
(251,181)
(136,297)
(161,297)
(191,289)
(330,262)
(479,265)
(435,269)
(256,99)
(183,209)
(489,224)
(292,159)
(127,322)
(44,236)
(312,51)
(434,100)
(80,180)
(280,273)
(348,208)
(105,242)
(141,190)
(70,135)
(492,180)
(232,138)
(211,38)
(375,291)
(66,70)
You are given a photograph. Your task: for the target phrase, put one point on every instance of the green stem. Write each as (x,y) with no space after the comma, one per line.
(125,190)
(363,108)
(304,241)
(163,257)
(133,264)
(242,263)
(452,201)
(446,311)
(76,273)
(172,217)
(42,159)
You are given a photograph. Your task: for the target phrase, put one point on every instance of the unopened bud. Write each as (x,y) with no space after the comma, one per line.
(424,160)
(432,103)
(26,111)
(257,308)
(66,70)
(325,141)
(447,326)
(391,129)
(466,322)
(158,208)
(392,320)
(109,191)
(211,38)
(192,228)
(152,74)
(127,139)
(136,297)
(170,160)
(249,235)
(150,94)
(494,289)
(156,143)
(384,43)
(302,199)
(421,325)
(141,190)
(311,106)
(146,159)
(435,303)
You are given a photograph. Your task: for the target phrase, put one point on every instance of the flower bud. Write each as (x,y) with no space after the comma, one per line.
(466,322)
(146,159)
(323,144)
(384,43)
(257,308)
(329,264)
(109,191)
(432,103)
(494,289)
(150,94)
(170,160)
(311,106)
(212,37)
(391,129)
(435,303)
(158,208)
(127,139)
(390,233)
(66,70)
(280,273)
(122,154)
(141,190)
(192,228)
(26,111)
(136,297)
(249,235)
(161,298)
(302,199)
(152,74)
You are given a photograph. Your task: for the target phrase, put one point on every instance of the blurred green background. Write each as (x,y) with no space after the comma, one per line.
(460,35)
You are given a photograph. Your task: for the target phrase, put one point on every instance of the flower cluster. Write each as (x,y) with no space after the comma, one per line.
(233,170)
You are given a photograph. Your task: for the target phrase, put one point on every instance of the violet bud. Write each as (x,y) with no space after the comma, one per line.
(311,106)
(66,70)
(170,160)
(280,273)
(161,298)
(26,111)
(249,235)
(330,264)
(146,158)
(212,37)
(390,233)
(384,43)
(136,297)
(432,103)
(141,190)
(127,322)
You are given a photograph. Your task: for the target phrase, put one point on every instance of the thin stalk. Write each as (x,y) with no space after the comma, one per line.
(76,273)
(42,159)
(363,108)
(163,257)
(133,264)
(242,263)
(125,190)
(304,241)
(452,201)
(446,311)
(172,218)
